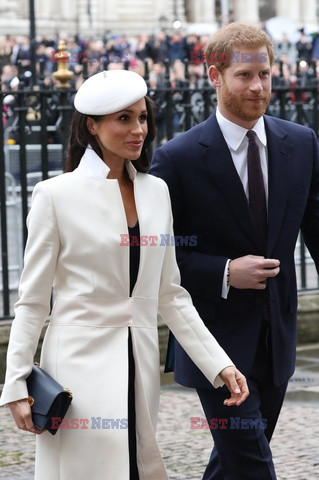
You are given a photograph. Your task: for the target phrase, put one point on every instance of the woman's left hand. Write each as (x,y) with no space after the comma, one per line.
(236,384)
(21,413)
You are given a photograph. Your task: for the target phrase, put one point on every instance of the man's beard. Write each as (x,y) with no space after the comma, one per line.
(240,107)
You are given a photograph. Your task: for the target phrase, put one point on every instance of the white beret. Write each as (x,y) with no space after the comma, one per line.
(109,92)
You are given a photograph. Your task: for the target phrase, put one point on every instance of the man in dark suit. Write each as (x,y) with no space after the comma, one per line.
(245,197)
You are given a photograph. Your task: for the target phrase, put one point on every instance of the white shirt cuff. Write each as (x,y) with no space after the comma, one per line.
(225,287)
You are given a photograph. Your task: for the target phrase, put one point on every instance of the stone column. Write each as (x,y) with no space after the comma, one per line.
(106,9)
(83,18)
(308,12)
(164,8)
(204,11)
(105,13)
(44,10)
(67,10)
(9,9)
(290,9)
(93,15)
(161,9)
(181,10)
(246,11)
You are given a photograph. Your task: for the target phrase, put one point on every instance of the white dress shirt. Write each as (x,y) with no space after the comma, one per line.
(237,142)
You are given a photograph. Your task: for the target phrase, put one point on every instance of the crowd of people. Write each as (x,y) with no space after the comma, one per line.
(90,56)
(148,55)
(93,54)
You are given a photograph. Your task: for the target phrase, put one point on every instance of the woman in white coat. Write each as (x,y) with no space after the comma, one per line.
(102,339)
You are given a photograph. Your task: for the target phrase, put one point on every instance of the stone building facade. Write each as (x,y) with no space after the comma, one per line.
(96,17)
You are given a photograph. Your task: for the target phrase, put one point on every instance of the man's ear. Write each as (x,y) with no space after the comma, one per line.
(91,126)
(214,76)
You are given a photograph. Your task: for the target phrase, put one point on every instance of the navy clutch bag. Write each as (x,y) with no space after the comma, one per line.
(48,399)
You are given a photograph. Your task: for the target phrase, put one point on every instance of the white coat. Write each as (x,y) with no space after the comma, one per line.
(74,243)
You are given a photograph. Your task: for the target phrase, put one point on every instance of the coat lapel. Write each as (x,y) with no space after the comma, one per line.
(279,152)
(219,164)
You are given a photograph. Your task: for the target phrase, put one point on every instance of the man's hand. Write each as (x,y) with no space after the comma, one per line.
(236,384)
(252,271)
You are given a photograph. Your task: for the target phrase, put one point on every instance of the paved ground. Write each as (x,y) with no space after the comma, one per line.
(295,444)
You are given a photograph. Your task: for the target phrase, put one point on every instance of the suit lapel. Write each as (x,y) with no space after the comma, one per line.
(220,166)
(279,152)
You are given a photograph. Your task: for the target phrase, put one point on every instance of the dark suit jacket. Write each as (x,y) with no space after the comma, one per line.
(209,201)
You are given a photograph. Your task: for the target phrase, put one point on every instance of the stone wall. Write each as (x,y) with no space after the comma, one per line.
(308,318)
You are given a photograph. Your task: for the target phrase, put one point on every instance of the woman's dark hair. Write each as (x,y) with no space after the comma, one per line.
(80,138)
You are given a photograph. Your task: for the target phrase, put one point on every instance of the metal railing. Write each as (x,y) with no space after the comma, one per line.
(32,148)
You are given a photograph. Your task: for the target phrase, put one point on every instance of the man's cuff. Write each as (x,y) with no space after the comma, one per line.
(225,287)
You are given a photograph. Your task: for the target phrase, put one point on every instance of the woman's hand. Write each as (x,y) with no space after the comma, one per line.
(21,412)
(236,384)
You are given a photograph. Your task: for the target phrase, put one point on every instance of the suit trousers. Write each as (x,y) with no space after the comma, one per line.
(241,450)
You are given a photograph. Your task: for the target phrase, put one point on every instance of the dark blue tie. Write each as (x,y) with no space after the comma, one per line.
(256,188)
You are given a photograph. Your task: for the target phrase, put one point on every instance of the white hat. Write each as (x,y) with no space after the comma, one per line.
(109,92)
